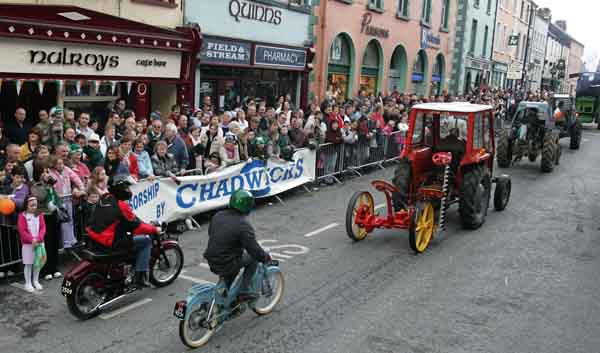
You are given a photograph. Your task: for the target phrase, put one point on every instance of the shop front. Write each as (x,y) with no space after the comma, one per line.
(251,50)
(233,71)
(499,75)
(477,72)
(86,60)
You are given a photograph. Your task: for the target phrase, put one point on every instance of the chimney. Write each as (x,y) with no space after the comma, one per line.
(562,25)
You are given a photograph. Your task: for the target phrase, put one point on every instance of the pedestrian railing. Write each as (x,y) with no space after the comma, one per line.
(10,242)
(336,159)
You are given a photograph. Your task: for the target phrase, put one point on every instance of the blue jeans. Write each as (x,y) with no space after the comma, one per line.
(143,248)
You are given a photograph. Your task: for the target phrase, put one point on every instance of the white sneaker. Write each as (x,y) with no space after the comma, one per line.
(29,288)
(57,274)
(48,277)
(10,273)
(2,275)
(38,286)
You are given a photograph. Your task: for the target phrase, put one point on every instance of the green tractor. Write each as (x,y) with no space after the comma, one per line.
(587,99)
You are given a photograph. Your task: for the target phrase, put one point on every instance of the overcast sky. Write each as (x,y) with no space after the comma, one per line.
(583,17)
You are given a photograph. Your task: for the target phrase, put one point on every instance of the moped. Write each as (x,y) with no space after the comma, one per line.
(208,306)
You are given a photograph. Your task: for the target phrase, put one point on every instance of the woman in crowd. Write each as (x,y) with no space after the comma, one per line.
(113,164)
(143,159)
(34,139)
(163,163)
(333,136)
(68,185)
(108,139)
(99,180)
(128,157)
(77,165)
(196,150)
(229,152)
(42,152)
(297,135)
(212,139)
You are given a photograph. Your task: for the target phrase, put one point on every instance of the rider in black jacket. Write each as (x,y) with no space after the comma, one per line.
(232,243)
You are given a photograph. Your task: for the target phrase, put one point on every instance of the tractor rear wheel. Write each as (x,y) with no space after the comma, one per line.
(401,180)
(575,135)
(549,152)
(474,202)
(503,150)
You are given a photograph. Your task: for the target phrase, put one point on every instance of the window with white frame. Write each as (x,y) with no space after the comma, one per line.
(426,11)
(402,8)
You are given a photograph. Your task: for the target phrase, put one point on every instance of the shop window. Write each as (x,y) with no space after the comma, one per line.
(419,68)
(370,68)
(473,42)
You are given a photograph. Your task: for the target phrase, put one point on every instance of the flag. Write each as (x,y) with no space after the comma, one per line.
(129,84)
(78,86)
(97,86)
(59,85)
(41,84)
(113,85)
(19,84)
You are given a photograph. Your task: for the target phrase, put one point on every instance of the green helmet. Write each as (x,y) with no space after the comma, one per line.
(242,200)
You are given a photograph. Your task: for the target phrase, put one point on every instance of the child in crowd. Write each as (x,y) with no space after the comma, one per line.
(87,208)
(32,228)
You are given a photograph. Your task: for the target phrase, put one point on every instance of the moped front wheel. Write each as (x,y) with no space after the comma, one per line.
(270,293)
(197,329)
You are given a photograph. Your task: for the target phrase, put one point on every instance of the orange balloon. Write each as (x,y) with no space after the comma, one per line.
(7,206)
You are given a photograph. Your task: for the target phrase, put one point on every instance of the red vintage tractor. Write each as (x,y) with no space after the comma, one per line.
(448,159)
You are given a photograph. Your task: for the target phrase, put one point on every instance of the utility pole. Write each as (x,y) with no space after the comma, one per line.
(494,39)
(525,59)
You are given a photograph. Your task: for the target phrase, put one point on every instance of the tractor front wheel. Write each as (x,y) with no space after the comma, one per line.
(549,152)
(475,199)
(423,224)
(503,150)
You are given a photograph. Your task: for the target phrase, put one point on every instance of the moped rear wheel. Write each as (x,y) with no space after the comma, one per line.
(270,293)
(87,297)
(165,268)
(195,331)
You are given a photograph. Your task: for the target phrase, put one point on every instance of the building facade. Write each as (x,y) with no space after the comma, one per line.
(502,56)
(382,46)
(555,76)
(576,64)
(86,59)
(537,47)
(251,49)
(472,60)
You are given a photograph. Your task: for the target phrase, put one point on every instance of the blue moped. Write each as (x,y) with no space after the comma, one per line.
(208,306)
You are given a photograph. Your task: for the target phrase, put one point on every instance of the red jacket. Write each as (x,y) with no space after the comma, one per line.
(112,219)
(335,117)
(26,237)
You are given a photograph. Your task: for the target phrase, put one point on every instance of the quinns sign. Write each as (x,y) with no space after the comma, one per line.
(165,201)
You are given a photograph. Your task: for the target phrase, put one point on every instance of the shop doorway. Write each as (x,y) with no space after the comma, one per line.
(398,66)
(340,68)
(370,71)
(419,75)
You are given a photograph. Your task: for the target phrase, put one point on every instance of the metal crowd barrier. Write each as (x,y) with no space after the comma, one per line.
(336,159)
(10,242)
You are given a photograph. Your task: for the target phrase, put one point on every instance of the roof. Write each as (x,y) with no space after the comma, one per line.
(455,107)
(77,24)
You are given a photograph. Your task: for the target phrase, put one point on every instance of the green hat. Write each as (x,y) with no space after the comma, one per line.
(74,148)
(242,200)
(260,140)
(56,109)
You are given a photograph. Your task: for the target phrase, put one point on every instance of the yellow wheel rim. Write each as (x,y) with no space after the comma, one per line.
(363,199)
(425,227)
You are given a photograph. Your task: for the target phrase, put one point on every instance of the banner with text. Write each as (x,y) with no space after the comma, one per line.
(163,200)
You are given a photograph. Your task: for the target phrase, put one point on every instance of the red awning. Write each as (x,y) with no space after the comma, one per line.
(79,25)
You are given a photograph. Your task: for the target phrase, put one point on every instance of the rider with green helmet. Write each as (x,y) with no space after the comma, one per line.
(232,243)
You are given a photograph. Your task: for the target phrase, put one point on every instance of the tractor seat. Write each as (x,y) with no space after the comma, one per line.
(384,186)
(95,255)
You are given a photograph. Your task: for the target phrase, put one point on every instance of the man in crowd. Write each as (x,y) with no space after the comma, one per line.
(176,147)
(17,133)
(83,126)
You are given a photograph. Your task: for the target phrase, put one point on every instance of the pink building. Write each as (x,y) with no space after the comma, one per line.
(382,46)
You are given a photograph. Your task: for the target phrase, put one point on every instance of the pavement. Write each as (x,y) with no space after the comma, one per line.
(527,281)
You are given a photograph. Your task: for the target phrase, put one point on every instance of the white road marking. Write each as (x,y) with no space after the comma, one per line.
(276,254)
(320,230)
(22,287)
(506,281)
(125,309)
(193,279)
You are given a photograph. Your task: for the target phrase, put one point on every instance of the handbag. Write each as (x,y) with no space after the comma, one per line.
(40,256)
(62,215)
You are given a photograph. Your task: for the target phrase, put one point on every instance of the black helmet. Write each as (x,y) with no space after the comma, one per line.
(118,186)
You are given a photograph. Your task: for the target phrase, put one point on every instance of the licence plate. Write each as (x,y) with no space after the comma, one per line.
(180,308)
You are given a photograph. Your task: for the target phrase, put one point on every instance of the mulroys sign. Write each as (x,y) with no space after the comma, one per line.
(56,58)
(366,28)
